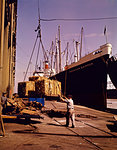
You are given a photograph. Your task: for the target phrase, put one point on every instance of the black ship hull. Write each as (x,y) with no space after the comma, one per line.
(86,82)
(112,69)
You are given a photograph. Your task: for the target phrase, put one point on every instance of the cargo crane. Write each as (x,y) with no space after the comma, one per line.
(38,30)
(39,87)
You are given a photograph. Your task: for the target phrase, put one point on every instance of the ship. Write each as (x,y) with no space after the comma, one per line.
(86,79)
(112,72)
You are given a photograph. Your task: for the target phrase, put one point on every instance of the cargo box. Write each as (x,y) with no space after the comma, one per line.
(47,87)
(25,87)
(57,87)
(42,87)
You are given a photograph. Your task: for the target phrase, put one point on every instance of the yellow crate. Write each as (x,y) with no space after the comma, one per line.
(48,87)
(25,87)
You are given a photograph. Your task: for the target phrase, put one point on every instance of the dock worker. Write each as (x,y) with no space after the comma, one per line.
(70,110)
(4,102)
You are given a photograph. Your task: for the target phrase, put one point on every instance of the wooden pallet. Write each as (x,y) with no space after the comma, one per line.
(2,125)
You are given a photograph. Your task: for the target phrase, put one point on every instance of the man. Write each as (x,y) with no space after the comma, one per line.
(70,110)
(4,102)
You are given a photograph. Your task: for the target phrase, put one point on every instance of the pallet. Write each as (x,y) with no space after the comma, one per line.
(27,114)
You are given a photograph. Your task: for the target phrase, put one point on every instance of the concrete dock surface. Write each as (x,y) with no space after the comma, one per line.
(94,130)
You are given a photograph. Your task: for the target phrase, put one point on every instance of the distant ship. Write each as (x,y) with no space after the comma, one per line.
(86,79)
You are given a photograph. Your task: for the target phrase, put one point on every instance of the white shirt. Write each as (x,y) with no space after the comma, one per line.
(70,103)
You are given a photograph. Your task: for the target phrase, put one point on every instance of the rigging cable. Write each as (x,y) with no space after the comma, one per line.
(37,57)
(76,19)
(30,58)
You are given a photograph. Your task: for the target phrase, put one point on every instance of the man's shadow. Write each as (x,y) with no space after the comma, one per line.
(112,127)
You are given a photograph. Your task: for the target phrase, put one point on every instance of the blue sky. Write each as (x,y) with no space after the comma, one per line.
(93,35)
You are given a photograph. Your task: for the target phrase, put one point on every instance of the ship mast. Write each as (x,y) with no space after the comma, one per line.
(52,56)
(59,44)
(67,54)
(81,42)
(77,50)
(56,57)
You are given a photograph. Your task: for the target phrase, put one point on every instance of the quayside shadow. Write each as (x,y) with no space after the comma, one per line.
(60,134)
(110,110)
(20,121)
(112,128)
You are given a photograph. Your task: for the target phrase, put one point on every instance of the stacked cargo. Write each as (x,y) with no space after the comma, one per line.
(25,87)
(48,87)
(42,87)
(56,87)
(35,78)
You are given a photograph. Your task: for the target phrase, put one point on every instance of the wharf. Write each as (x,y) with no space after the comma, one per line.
(94,130)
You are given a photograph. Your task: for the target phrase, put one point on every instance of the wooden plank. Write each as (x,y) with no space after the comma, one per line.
(8,117)
(115,117)
(1,120)
(29,112)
